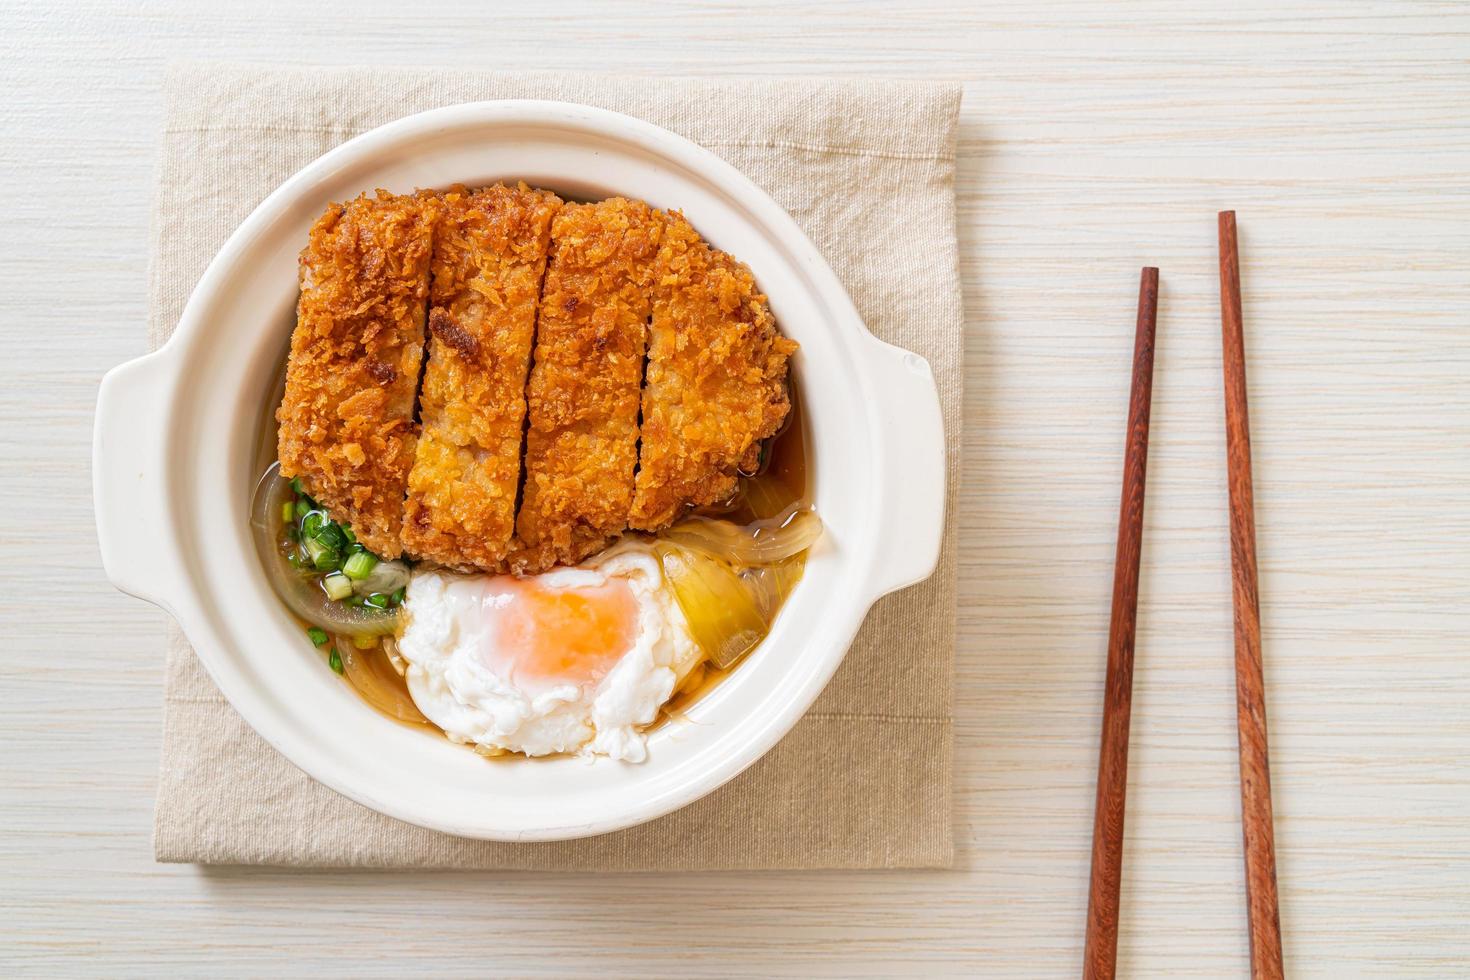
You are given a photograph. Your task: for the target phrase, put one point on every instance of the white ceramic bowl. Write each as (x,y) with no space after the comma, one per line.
(176,432)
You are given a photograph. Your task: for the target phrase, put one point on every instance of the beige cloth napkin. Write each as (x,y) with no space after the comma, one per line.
(864,780)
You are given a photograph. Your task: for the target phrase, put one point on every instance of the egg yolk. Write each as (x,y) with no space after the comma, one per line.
(566,635)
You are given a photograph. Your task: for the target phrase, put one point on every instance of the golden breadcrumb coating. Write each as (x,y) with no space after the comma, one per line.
(716,380)
(489,255)
(511,278)
(346,421)
(583,395)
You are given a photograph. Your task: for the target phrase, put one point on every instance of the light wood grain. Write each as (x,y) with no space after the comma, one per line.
(1096,138)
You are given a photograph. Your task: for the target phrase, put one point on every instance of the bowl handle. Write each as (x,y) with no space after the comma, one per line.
(127,477)
(911,445)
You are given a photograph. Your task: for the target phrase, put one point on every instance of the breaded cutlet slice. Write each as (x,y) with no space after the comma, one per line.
(716,380)
(489,256)
(583,395)
(346,421)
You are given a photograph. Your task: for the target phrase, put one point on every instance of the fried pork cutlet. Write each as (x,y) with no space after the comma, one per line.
(346,422)
(716,380)
(583,395)
(489,256)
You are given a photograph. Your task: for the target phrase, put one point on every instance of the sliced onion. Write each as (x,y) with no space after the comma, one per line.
(371,673)
(731,580)
(386,578)
(764,542)
(766,495)
(301,593)
(773,583)
(720,607)
(390,648)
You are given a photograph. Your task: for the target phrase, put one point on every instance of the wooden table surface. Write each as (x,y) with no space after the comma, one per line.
(1096,139)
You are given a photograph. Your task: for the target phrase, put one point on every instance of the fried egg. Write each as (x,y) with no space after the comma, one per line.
(572,660)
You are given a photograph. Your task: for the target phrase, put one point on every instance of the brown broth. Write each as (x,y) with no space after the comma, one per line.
(787,457)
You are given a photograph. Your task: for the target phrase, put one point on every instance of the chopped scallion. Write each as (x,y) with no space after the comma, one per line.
(331,535)
(359,565)
(318,635)
(288,513)
(296,484)
(378,599)
(322,557)
(335,659)
(299,510)
(347,530)
(338,586)
(311,522)
(397,597)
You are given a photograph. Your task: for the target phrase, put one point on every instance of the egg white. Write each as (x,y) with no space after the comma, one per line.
(448,627)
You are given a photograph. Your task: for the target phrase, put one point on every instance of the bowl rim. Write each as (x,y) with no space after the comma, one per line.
(164,368)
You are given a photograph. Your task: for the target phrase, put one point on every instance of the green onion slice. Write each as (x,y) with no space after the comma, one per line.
(323,557)
(360,565)
(331,535)
(338,586)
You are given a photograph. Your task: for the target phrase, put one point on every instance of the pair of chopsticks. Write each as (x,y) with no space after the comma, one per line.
(1100,955)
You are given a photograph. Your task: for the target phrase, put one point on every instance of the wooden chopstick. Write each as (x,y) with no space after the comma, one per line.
(1250,689)
(1100,955)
